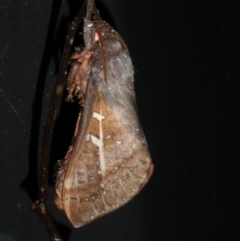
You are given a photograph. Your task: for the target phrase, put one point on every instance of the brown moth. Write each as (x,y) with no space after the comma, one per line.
(108,162)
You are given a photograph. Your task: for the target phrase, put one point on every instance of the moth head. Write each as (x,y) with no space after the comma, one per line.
(104,60)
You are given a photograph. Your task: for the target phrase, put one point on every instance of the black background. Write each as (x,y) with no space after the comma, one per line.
(186,57)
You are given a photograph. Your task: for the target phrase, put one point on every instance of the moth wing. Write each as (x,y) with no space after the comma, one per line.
(110,166)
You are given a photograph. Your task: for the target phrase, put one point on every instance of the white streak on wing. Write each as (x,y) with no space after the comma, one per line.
(97,142)
(68,183)
(97,116)
(102,157)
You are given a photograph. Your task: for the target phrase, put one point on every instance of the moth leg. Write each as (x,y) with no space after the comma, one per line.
(40,205)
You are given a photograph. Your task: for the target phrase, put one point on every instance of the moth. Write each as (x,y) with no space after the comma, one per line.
(108,161)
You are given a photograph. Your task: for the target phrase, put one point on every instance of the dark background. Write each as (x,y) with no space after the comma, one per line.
(186,57)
